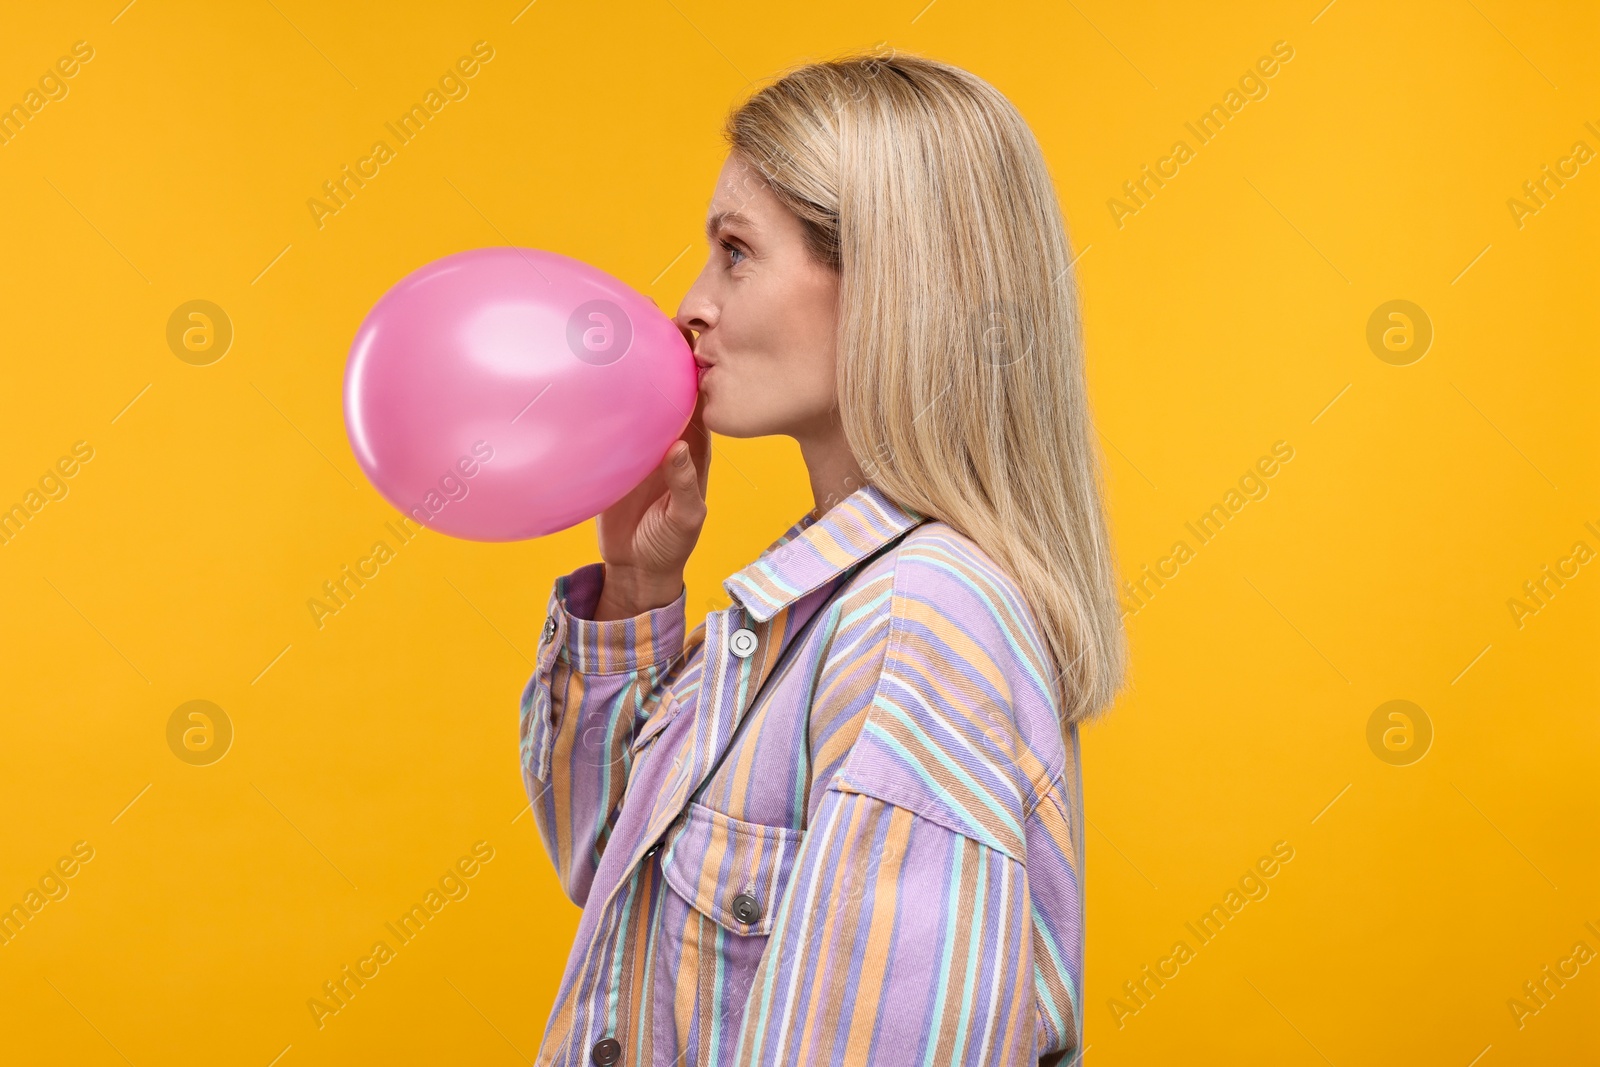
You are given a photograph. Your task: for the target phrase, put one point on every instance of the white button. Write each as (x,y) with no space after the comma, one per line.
(743,642)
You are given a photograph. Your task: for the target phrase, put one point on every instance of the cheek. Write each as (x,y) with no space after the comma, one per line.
(817,305)
(771,389)
(778,347)
(787,343)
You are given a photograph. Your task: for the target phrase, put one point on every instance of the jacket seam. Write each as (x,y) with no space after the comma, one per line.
(895,630)
(888,648)
(642,662)
(1052,783)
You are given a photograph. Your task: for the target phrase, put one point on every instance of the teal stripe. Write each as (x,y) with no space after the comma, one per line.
(974,945)
(872,609)
(1017,625)
(1054,950)
(639,1037)
(615,992)
(768,982)
(952,905)
(718,1014)
(944,758)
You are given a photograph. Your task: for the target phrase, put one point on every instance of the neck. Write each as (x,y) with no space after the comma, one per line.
(834,472)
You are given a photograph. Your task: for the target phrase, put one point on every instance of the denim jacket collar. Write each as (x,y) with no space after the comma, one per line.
(814,551)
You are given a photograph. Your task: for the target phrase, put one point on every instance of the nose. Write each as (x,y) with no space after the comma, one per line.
(687,321)
(696,312)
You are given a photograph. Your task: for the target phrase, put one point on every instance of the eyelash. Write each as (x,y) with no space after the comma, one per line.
(733,248)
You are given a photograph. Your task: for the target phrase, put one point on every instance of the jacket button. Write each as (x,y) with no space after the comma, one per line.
(743,642)
(747,909)
(606,1051)
(652,850)
(549,630)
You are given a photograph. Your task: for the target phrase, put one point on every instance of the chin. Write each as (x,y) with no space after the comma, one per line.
(710,415)
(717,420)
(715,423)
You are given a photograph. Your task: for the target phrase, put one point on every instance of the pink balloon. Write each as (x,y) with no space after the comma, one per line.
(501,394)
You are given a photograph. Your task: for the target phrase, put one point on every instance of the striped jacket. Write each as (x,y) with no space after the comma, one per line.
(839,822)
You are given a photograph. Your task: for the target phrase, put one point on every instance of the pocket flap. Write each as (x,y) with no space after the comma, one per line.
(712,859)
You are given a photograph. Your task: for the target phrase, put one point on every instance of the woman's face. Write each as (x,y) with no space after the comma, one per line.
(765,313)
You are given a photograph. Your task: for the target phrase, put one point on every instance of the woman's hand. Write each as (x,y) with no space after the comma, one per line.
(646,538)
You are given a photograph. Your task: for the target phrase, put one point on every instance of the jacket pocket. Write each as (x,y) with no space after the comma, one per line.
(731,871)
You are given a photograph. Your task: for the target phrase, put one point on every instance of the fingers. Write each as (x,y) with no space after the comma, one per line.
(686,503)
(699,441)
(694,433)
(681,466)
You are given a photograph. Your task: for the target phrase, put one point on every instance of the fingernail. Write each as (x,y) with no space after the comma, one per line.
(682,457)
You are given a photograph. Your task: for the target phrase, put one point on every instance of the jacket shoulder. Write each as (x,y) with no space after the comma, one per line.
(962,726)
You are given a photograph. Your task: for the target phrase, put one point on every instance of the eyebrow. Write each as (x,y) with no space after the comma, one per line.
(726,218)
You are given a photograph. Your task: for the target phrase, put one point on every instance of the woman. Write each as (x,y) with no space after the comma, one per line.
(839,822)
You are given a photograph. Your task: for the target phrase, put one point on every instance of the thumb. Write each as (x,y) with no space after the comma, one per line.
(683,485)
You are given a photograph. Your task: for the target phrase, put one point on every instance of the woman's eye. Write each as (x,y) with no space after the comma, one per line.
(732,251)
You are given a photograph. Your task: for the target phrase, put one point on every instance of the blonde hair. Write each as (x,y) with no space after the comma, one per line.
(961,372)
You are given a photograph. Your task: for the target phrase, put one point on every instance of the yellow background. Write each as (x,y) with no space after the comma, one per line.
(1227,314)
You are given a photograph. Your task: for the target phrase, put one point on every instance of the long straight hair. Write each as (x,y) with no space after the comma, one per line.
(961,375)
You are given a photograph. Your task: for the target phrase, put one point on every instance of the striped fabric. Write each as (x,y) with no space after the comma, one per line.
(860,843)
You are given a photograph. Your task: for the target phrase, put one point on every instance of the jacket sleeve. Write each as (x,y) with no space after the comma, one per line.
(899,941)
(594,686)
